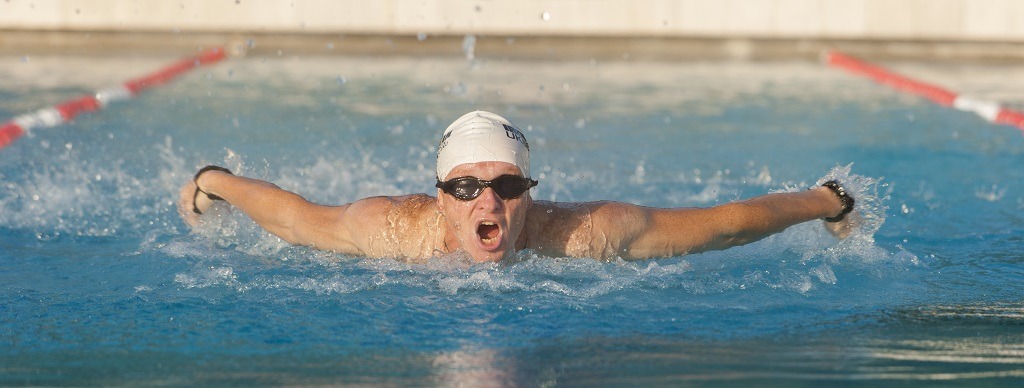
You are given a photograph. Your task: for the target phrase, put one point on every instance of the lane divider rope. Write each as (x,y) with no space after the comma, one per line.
(61,113)
(991,111)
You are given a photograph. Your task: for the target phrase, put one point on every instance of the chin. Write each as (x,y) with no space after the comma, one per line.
(482,256)
(493,257)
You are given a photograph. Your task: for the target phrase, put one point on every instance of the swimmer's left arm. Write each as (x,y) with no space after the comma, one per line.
(650,232)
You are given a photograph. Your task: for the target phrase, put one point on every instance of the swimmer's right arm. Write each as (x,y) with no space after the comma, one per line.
(281,212)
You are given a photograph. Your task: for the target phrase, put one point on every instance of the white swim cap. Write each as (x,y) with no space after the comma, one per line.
(482,137)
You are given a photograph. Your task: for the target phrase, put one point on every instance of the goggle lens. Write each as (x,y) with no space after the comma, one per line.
(467,188)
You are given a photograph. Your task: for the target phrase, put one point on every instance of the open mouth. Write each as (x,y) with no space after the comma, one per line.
(489,233)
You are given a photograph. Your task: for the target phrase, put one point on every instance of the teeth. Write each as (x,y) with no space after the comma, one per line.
(485,239)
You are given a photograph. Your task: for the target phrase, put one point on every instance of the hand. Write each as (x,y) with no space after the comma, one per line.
(188,201)
(843,228)
(843,224)
(193,202)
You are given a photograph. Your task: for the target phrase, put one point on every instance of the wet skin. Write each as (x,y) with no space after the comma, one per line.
(486,227)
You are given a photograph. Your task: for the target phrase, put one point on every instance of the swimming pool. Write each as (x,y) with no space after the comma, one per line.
(102,284)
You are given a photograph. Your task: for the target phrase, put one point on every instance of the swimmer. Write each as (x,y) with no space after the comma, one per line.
(483,207)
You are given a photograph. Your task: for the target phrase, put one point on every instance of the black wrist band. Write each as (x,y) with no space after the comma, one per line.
(847,200)
(195,179)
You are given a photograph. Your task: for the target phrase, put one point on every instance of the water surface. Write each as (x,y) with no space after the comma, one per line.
(102,284)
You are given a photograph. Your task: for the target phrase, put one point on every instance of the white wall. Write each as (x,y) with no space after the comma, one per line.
(929,20)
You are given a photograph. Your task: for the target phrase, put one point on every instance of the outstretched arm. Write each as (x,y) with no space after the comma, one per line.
(638,232)
(283,213)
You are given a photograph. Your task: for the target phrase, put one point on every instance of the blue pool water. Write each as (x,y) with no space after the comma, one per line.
(102,284)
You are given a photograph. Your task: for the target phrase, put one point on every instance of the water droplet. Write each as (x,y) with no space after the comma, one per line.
(545,16)
(469,47)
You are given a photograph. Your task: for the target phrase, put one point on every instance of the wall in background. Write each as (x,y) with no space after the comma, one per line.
(927,20)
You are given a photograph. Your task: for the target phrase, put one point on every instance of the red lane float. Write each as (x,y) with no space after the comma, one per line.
(8,133)
(66,111)
(989,110)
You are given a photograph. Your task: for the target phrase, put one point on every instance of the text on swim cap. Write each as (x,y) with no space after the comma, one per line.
(514,133)
(444,142)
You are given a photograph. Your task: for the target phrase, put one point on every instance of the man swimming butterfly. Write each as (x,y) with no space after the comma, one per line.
(484,208)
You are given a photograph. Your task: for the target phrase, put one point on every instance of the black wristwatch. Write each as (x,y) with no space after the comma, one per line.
(847,200)
(198,190)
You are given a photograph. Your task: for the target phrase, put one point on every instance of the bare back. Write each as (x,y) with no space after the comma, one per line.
(411,228)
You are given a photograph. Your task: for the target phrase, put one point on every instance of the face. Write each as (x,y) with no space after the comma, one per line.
(487,226)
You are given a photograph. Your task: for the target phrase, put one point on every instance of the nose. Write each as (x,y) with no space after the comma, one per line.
(489,200)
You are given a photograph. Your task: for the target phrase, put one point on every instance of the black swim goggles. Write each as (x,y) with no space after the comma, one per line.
(467,188)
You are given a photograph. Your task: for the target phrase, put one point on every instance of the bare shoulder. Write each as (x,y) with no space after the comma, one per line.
(583,229)
(399,227)
(375,205)
(405,209)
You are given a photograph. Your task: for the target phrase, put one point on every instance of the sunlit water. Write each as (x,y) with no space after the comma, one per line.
(102,284)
